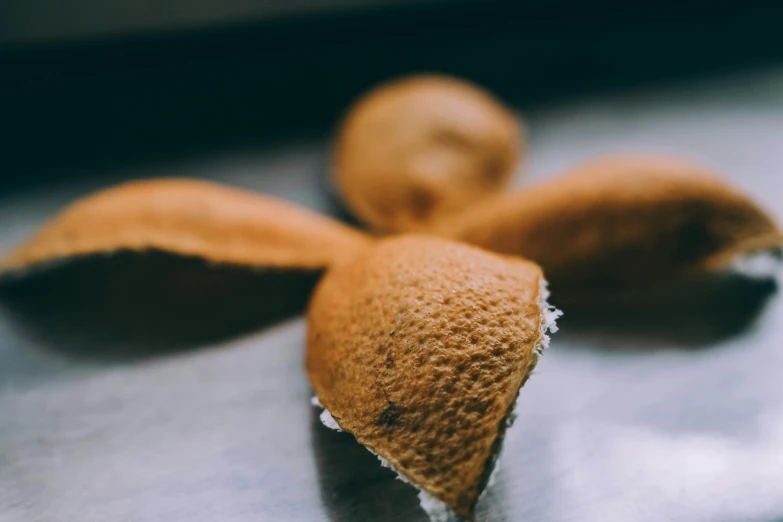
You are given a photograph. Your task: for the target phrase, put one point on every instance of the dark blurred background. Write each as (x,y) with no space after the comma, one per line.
(89,83)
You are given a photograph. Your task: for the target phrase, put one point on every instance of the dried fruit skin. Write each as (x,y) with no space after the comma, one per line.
(420,147)
(418,347)
(620,224)
(190,218)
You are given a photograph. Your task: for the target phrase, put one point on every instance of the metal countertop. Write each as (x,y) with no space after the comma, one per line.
(670,413)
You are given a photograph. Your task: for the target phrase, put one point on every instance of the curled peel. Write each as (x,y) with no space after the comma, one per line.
(418,347)
(189,218)
(619,224)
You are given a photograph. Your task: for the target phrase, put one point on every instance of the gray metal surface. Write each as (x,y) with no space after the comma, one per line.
(666,413)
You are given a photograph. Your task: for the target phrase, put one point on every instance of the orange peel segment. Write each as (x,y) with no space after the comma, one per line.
(191,218)
(621,223)
(419,347)
(423,146)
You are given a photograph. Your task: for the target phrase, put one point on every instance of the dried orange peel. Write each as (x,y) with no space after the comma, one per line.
(193,218)
(418,347)
(423,146)
(621,224)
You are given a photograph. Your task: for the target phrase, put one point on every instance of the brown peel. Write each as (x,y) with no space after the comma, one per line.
(418,347)
(423,146)
(190,218)
(620,224)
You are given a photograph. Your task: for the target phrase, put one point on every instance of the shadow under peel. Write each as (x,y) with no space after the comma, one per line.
(692,315)
(354,485)
(130,305)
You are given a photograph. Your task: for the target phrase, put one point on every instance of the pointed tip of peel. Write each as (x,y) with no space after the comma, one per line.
(437,510)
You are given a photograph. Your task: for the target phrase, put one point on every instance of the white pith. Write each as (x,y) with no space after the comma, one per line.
(763,264)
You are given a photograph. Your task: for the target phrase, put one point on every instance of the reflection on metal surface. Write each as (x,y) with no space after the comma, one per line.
(669,476)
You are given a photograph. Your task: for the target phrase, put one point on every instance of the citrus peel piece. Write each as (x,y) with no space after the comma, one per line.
(192,218)
(419,347)
(621,224)
(423,146)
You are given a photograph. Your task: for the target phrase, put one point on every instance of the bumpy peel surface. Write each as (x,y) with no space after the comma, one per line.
(190,218)
(418,347)
(423,146)
(621,223)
